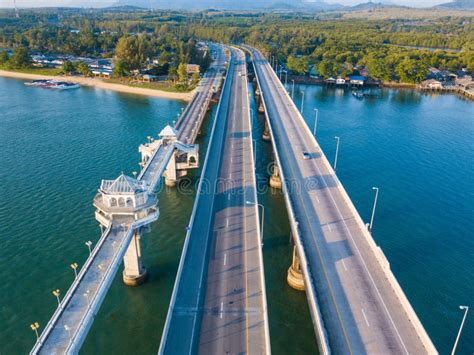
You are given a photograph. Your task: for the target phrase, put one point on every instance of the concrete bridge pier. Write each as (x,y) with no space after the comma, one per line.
(275,179)
(295,275)
(171,174)
(134,272)
(266,132)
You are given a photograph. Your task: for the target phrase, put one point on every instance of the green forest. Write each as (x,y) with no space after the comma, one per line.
(392,50)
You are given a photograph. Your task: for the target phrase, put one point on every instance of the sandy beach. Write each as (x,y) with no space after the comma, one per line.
(102,84)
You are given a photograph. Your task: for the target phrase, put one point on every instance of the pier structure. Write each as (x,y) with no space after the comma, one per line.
(125,208)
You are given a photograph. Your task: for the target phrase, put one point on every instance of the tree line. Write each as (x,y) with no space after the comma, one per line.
(390,49)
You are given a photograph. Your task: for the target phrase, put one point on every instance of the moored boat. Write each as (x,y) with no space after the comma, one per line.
(53,84)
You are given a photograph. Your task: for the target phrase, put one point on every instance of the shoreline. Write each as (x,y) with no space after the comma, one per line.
(101,84)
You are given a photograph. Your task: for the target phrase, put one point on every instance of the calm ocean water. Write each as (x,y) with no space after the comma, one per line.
(56,146)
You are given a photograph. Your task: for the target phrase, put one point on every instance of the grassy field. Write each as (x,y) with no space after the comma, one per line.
(33,70)
(161,85)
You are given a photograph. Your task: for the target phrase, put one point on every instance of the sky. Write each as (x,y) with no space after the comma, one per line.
(99,3)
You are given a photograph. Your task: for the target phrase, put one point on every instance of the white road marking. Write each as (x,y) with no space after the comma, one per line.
(225,258)
(329,226)
(365,317)
(344,264)
(227,223)
(222,308)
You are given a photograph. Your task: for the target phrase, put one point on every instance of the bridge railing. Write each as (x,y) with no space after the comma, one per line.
(188,234)
(67,297)
(376,250)
(323,342)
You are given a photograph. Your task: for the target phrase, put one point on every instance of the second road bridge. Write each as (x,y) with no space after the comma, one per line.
(356,303)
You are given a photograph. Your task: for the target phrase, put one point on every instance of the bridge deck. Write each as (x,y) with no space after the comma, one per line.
(77,311)
(363,308)
(218,303)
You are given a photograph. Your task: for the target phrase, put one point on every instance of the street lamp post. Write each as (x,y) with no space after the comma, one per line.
(74,267)
(373,208)
(293,89)
(316,114)
(35,326)
(302,102)
(57,293)
(263,216)
(286,77)
(465,309)
(337,152)
(89,245)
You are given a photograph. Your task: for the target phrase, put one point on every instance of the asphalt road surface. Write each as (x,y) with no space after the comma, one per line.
(219,305)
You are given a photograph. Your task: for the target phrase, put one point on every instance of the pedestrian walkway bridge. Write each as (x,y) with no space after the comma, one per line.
(125,208)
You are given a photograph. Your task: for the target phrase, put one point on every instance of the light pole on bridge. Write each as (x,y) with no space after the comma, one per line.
(89,245)
(74,267)
(57,293)
(293,89)
(302,102)
(465,309)
(316,114)
(337,152)
(34,327)
(373,208)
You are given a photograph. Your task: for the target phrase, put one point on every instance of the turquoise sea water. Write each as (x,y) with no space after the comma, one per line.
(56,146)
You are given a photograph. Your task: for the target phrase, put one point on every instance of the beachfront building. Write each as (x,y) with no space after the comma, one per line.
(357,80)
(431,84)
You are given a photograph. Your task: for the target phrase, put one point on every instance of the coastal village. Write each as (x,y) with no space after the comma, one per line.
(436,80)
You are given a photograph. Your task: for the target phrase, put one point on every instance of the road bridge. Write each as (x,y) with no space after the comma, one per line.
(125,207)
(357,306)
(218,304)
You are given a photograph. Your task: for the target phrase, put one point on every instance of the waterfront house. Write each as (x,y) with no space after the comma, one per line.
(148,78)
(465,82)
(431,84)
(340,81)
(102,73)
(330,81)
(357,80)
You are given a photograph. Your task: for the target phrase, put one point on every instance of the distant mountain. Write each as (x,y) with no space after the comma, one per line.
(458,5)
(315,5)
(371,5)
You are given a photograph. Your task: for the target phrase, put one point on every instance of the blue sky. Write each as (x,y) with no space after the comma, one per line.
(95,3)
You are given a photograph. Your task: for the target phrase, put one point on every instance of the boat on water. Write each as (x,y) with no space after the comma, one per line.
(53,84)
